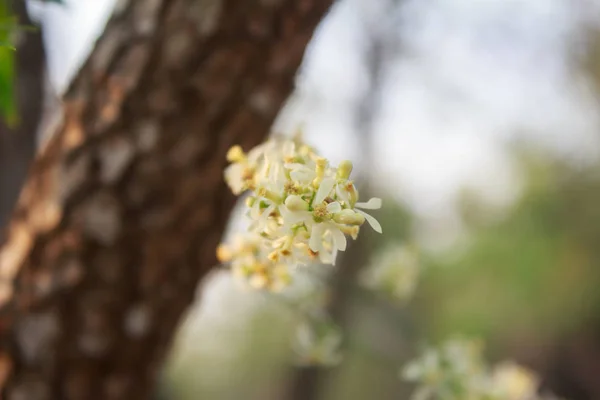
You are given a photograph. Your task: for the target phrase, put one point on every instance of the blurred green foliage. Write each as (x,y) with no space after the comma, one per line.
(8,107)
(9,24)
(533,273)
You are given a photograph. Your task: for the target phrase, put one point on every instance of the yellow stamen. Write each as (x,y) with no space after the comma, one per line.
(320,211)
(236,154)
(224,254)
(320,171)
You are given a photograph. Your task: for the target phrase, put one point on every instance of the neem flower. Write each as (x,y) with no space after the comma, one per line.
(300,206)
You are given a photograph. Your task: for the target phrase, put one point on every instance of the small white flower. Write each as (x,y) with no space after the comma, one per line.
(394,272)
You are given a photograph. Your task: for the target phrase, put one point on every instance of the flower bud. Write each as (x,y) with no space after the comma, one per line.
(344,170)
(269,194)
(321,165)
(236,154)
(348,217)
(224,253)
(295,203)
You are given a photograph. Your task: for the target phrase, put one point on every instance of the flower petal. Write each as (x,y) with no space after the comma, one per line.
(342,194)
(339,240)
(372,221)
(316,237)
(334,255)
(293,217)
(300,172)
(302,175)
(326,257)
(288,148)
(264,217)
(372,204)
(334,207)
(324,190)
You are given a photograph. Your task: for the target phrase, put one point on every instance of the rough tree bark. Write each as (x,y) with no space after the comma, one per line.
(124,206)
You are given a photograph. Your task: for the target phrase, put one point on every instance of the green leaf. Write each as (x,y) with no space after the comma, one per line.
(8,108)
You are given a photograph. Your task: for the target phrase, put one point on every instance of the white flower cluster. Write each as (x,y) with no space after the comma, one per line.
(300,207)
(246,255)
(394,272)
(457,371)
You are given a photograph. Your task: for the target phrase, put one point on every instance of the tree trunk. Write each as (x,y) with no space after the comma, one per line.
(123,208)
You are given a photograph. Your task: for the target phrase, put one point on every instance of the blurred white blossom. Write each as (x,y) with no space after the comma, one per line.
(393,271)
(249,263)
(514,382)
(457,371)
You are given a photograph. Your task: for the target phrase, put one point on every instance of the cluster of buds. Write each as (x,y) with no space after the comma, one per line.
(248,263)
(301,209)
(457,371)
